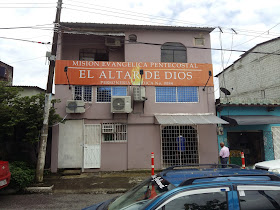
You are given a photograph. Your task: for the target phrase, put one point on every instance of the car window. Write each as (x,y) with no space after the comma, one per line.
(142,194)
(259,197)
(208,198)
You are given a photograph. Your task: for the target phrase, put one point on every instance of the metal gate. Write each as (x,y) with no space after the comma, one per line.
(179,145)
(268,145)
(276,141)
(92,146)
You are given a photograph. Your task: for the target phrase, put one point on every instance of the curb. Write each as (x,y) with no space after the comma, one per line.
(39,189)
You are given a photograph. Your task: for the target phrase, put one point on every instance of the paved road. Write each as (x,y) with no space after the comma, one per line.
(51,201)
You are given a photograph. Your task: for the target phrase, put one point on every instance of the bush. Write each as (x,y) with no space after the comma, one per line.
(22,175)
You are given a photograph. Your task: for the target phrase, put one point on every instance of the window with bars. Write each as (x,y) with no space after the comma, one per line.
(117,133)
(83,93)
(179,145)
(104,93)
(176,94)
(173,52)
(90,54)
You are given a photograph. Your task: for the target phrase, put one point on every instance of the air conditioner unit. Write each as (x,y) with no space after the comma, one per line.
(121,104)
(139,93)
(75,106)
(108,128)
(112,42)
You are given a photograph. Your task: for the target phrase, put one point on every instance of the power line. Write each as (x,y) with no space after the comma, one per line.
(122,15)
(20,27)
(257,36)
(25,3)
(132,13)
(158,17)
(24,40)
(159,44)
(24,7)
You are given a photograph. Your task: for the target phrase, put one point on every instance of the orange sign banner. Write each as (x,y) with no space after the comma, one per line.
(128,73)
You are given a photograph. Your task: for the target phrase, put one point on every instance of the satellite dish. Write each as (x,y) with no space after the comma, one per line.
(225,91)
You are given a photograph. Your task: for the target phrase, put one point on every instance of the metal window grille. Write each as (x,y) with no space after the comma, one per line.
(83,93)
(118,134)
(176,94)
(173,52)
(104,93)
(179,145)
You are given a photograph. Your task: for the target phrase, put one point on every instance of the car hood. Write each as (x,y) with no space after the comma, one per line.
(271,164)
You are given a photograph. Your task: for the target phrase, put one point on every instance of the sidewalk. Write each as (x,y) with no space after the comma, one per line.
(97,182)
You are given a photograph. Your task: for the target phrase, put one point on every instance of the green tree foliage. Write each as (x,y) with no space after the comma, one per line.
(21,118)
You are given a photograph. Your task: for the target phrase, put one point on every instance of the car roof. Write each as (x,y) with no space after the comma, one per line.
(270,164)
(186,175)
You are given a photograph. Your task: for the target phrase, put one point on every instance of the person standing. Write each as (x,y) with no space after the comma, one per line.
(224,154)
(181,150)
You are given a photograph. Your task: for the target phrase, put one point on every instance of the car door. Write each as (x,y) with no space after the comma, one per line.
(259,196)
(214,197)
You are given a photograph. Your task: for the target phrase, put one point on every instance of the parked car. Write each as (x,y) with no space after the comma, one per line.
(270,165)
(201,187)
(5,174)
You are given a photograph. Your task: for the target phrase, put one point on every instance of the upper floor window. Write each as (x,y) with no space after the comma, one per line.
(176,94)
(104,93)
(89,54)
(83,93)
(199,41)
(173,52)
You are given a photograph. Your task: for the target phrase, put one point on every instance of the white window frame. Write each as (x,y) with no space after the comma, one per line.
(83,92)
(177,96)
(111,93)
(115,132)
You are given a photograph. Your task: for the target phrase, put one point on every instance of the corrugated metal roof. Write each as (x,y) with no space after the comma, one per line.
(195,119)
(249,101)
(121,27)
(252,119)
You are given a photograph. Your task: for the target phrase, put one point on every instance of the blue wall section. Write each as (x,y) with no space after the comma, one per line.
(245,110)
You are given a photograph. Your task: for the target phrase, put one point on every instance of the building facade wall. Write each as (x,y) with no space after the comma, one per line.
(143,135)
(255,75)
(270,148)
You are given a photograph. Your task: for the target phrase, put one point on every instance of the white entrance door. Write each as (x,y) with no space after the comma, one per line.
(92,146)
(276,141)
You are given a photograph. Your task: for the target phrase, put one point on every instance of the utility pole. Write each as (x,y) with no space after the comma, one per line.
(48,98)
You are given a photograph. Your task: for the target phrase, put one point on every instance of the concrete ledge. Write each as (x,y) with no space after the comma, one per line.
(39,189)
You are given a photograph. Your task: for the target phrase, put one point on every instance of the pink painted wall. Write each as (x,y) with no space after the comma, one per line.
(143,135)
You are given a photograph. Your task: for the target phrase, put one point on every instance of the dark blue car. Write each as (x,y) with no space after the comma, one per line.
(201,187)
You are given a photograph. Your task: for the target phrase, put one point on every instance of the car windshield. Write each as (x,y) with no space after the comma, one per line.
(143,193)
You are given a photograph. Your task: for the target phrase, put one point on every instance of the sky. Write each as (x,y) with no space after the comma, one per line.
(239,26)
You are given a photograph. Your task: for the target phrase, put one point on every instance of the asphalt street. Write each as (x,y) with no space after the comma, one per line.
(51,201)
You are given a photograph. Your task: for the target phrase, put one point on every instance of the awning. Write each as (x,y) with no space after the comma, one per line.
(195,119)
(252,119)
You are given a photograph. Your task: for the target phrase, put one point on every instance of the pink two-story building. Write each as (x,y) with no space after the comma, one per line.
(129,90)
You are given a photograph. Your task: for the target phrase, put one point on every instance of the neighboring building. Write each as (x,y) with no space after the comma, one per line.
(250,99)
(129,90)
(29,90)
(6,73)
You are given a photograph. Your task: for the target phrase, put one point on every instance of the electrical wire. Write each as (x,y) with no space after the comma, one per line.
(126,12)
(257,36)
(25,40)
(27,59)
(19,27)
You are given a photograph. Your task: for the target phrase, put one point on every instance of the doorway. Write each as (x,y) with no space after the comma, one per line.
(179,145)
(251,143)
